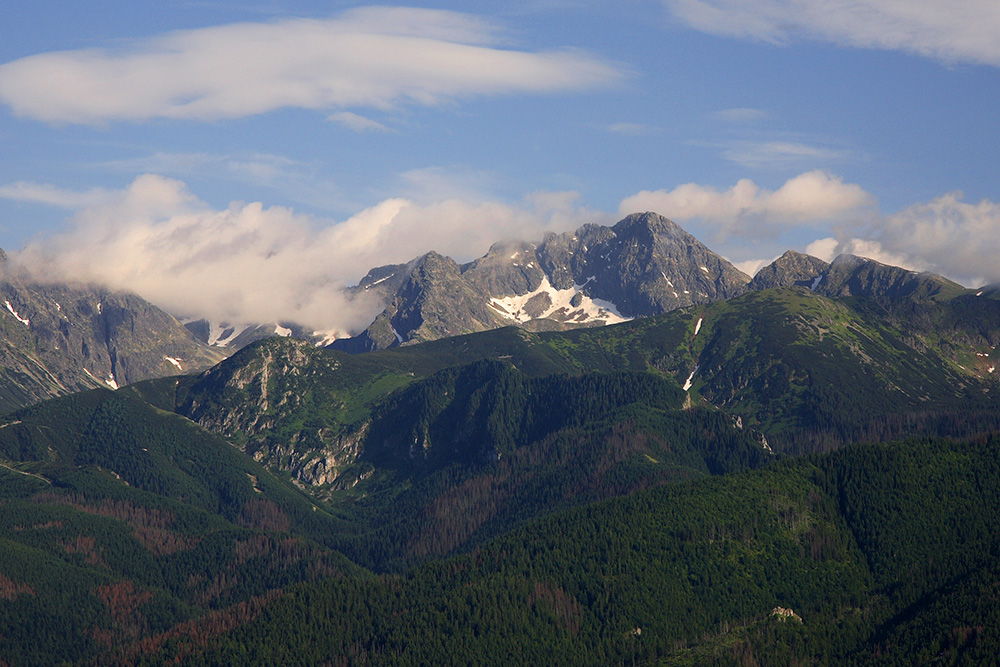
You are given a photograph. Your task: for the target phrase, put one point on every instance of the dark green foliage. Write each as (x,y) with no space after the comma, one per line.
(119,522)
(549,498)
(482,448)
(693,574)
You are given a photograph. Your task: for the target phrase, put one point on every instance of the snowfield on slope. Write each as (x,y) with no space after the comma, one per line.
(589,310)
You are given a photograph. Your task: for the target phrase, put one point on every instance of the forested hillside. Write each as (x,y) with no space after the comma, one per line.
(782,478)
(881,554)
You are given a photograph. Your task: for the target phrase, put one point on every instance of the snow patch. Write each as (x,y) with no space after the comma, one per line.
(512,307)
(111,382)
(175,362)
(218,337)
(380,280)
(991,369)
(282,331)
(13,312)
(399,339)
(697,327)
(816,282)
(687,385)
(326,337)
(979,293)
(704,268)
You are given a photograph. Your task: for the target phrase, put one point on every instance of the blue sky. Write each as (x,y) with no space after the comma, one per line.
(245,161)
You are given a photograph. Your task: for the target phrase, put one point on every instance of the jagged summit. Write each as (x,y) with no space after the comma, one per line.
(792,268)
(654,224)
(851,275)
(643,265)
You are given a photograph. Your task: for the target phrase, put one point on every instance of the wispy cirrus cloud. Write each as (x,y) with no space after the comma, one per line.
(50,195)
(634,129)
(956,31)
(780,153)
(740,115)
(356,122)
(375,57)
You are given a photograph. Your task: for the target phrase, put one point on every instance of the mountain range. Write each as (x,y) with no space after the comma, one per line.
(799,468)
(60,338)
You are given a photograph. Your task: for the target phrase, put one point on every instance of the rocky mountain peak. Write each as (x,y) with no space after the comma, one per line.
(643,265)
(792,268)
(654,226)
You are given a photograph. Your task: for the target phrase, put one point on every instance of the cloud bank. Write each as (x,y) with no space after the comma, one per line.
(376,57)
(748,210)
(249,263)
(947,235)
(955,31)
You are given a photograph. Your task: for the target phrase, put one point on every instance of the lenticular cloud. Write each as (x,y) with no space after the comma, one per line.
(373,58)
(955,31)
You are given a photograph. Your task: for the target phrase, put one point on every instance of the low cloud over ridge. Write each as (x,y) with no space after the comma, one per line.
(250,263)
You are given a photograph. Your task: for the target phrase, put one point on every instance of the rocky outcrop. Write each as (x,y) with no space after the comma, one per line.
(644,265)
(792,268)
(57,339)
(850,275)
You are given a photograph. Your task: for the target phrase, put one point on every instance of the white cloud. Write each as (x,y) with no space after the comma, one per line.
(825,249)
(752,266)
(249,263)
(379,57)
(353,121)
(748,210)
(44,193)
(948,236)
(955,31)
(634,129)
(740,115)
(764,153)
(958,239)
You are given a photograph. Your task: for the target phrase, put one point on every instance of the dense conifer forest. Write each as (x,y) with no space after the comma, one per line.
(815,491)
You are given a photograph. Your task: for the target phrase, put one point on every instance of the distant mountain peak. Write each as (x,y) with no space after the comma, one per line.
(792,268)
(643,265)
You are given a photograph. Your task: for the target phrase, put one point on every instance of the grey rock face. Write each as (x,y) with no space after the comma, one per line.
(57,339)
(644,265)
(792,268)
(850,275)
